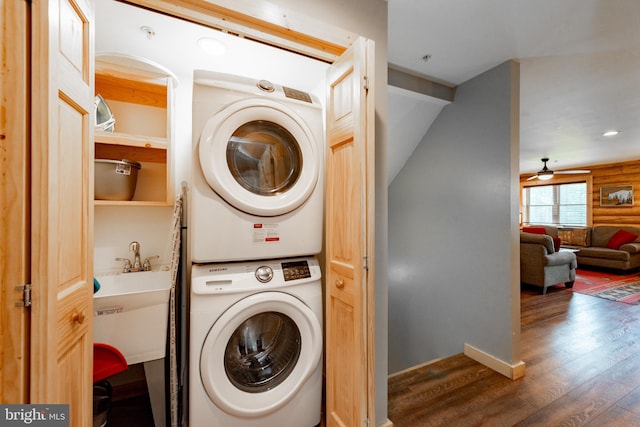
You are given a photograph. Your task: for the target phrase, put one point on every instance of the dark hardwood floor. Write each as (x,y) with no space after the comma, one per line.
(582,358)
(131,412)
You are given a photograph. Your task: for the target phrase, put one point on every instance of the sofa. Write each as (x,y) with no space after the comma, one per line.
(605,246)
(541,265)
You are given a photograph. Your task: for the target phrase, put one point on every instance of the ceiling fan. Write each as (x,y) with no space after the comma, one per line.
(545,173)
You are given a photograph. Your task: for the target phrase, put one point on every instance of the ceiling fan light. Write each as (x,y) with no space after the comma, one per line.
(545,176)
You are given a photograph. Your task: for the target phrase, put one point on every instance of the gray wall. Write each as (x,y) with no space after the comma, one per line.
(369,19)
(453,252)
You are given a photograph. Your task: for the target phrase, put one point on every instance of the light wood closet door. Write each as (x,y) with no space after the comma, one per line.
(349,215)
(61,209)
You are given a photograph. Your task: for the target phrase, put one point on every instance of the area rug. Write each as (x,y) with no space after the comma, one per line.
(615,287)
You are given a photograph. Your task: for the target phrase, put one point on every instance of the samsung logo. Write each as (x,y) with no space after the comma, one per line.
(214,269)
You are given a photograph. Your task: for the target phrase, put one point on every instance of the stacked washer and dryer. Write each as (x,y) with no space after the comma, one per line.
(255,224)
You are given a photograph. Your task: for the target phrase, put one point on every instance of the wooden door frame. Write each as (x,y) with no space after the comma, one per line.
(14,196)
(370,226)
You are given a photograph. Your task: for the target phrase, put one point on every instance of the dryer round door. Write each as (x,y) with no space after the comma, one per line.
(259,354)
(260,157)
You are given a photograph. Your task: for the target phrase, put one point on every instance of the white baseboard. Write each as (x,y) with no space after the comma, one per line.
(386,423)
(500,366)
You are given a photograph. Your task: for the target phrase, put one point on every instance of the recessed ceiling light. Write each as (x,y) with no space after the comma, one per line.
(149,32)
(610,133)
(212,46)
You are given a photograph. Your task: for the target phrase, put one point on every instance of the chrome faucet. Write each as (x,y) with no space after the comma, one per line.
(136,265)
(135,248)
(146,265)
(127,265)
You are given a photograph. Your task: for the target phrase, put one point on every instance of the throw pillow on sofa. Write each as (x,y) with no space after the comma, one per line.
(541,230)
(620,238)
(534,230)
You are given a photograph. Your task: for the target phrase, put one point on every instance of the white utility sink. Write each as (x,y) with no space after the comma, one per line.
(131,312)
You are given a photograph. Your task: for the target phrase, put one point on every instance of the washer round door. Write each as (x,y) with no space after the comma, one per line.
(259,354)
(260,157)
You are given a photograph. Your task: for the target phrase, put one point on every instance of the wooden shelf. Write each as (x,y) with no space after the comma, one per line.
(130,203)
(118,138)
(132,86)
(124,152)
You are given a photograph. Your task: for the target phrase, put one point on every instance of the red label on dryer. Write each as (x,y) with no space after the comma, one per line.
(266,233)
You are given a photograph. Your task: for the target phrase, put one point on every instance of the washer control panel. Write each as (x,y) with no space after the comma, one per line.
(264,274)
(295,270)
(245,276)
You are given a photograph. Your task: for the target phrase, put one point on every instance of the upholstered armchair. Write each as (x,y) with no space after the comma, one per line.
(541,265)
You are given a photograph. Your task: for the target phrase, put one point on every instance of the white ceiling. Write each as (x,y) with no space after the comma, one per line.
(580,67)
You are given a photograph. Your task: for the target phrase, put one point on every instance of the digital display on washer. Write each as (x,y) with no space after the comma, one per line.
(296,270)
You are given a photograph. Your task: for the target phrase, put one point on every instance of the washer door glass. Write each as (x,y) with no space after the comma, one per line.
(259,353)
(262,352)
(260,157)
(264,158)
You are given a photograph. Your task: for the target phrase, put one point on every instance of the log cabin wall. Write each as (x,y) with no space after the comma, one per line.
(609,175)
(612,175)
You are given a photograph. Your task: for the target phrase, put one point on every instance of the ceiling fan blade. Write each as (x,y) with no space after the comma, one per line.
(573,171)
(532,177)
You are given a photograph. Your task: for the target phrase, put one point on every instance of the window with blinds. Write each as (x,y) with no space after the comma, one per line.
(555,204)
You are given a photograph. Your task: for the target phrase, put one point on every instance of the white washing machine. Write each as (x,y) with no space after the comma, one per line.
(256,344)
(258,163)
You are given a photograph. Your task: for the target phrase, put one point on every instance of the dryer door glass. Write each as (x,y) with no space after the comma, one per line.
(264,158)
(262,352)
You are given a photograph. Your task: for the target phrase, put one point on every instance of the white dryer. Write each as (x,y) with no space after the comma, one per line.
(258,163)
(256,344)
